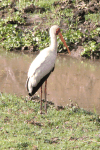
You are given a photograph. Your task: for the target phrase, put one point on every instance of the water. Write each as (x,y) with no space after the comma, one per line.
(73,79)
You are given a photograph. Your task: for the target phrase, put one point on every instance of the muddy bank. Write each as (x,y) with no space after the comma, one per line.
(73,17)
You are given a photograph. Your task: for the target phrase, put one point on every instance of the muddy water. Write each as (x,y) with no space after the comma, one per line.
(73,79)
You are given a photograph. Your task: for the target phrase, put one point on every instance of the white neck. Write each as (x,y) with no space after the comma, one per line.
(53,42)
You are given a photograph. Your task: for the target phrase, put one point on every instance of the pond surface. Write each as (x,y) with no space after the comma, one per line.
(78,80)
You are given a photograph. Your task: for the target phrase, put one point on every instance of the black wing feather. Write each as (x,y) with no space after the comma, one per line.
(35,89)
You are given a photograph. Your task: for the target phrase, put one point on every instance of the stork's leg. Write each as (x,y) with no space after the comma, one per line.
(41,102)
(46,96)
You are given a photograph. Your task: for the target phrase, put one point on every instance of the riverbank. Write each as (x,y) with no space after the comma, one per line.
(25,25)
(23,127)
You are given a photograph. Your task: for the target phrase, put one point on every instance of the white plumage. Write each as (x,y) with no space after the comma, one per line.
(40,67)
(43,64)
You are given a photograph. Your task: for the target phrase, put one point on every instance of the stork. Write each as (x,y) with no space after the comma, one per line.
(43,65)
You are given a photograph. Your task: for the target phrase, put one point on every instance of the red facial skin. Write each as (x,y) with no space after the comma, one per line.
(62,39)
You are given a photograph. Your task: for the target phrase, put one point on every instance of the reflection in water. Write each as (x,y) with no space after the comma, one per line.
(72,79)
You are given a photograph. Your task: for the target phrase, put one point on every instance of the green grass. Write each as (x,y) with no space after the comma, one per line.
(23,127)
(95,18)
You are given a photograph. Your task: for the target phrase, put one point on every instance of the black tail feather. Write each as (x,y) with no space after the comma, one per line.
(27,84)
(35,89)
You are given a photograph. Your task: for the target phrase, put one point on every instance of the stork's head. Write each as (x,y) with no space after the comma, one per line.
(55,30)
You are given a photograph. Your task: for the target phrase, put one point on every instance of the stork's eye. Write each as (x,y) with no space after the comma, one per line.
(57,31)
